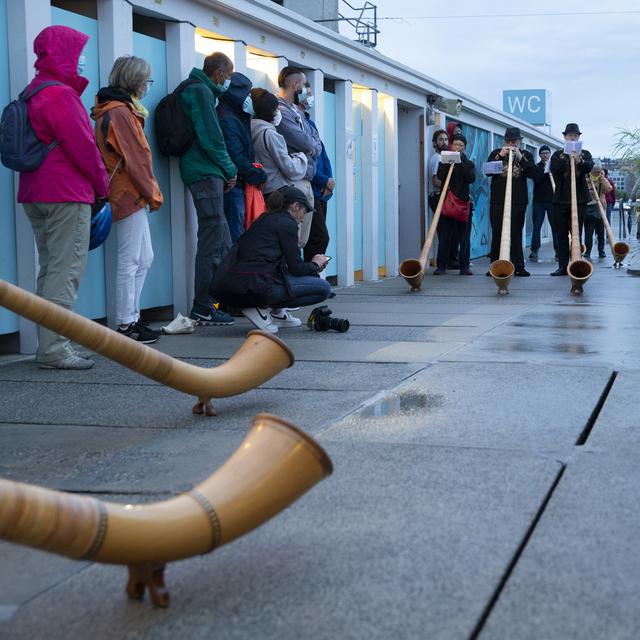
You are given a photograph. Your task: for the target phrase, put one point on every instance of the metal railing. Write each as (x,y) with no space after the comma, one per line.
(364,22)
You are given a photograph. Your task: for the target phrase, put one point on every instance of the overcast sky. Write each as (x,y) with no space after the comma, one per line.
(590,63)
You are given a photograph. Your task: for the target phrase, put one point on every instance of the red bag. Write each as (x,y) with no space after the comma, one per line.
(454,207)
(254,205)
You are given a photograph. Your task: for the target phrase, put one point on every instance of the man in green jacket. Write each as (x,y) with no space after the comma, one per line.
(208,172)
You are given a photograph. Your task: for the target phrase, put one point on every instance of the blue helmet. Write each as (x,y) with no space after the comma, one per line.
(100,226)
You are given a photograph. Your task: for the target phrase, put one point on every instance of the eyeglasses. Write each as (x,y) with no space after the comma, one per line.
(149,82)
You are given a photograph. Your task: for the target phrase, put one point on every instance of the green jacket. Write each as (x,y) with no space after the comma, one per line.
(207,156)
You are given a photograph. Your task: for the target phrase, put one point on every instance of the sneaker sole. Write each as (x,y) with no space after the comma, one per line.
(211,323)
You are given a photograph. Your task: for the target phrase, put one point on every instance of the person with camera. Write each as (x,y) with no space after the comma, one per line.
(264,274)
(592,219)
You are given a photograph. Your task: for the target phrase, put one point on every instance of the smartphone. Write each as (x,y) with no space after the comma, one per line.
(328,259)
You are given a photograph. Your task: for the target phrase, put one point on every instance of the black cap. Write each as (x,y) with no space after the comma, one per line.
(544,147)
(512,133)
(572,127)
(292,194)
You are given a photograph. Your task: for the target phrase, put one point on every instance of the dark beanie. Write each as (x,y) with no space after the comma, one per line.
(264,104)
(459,136)
(544,147)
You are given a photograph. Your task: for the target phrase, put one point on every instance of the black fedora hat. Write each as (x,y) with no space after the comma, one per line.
(572,127)
(512,133)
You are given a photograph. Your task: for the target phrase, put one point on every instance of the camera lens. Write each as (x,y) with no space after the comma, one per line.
(339,324)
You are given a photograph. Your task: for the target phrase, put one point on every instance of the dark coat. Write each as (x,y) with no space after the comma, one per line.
(542,187)
(522,170)
(323,169)
(262,257)
(561,169)
(463,175)
(236,129)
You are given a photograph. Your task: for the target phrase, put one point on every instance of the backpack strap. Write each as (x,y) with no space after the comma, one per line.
(26,94)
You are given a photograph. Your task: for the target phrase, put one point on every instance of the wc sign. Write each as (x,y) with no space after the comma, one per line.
(531,105)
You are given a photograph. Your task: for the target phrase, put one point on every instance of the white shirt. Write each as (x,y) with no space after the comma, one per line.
(434,161)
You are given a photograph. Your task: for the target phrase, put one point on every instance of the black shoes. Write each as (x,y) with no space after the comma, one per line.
(522,273)
(559,272)
(139,332)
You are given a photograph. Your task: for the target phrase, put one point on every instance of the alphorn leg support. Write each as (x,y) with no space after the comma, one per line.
(151,577)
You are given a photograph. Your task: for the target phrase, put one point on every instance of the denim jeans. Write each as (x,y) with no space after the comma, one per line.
(306,290)
(609,210)
(234,211)
(539,210)
(214,240)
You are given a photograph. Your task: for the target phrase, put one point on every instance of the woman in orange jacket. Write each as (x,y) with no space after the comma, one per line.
(120,116)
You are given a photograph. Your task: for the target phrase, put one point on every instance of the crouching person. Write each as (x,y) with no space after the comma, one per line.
(264,274)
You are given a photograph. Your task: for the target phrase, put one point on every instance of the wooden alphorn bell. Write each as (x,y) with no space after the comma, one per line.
(412,270)
(260,357)
(620,249)
(502,269)
(579,269)
(274,465)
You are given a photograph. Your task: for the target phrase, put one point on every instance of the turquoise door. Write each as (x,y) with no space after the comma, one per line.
(8,266)
(158,287)
(92,293)
(381,192)
(329,139)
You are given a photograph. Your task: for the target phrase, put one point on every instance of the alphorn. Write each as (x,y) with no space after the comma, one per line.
(579,270)
(620,249)
(275,465)
(412,270)
(502,269)
(260,357)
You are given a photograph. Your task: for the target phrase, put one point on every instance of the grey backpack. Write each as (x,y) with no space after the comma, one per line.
(20,149)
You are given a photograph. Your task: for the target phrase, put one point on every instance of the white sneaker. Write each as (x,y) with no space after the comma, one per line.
(261,318)
(282,318)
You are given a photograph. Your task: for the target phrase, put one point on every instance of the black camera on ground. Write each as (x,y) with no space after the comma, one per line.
(320,319)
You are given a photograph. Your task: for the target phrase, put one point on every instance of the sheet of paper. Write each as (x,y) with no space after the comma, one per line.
(493,168)
(450,157)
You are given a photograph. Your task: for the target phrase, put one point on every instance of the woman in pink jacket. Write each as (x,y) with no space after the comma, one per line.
(58,195)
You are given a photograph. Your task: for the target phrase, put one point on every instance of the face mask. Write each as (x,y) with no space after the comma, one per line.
(302,95)
(81,65)
(247,106)
(309,101)
(224,86)
(277,119)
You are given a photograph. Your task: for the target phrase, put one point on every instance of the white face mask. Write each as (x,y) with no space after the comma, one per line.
(277,119)
(82,63)
(303,94)
(309,101)
(224,86)
(247,106)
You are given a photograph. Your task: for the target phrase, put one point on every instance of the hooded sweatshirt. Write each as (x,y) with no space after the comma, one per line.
(73,171)
(121,139)
(236,129)
(207,156)
(299,135)
(271,152)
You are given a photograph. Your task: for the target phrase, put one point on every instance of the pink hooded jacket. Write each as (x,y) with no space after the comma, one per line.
(73,171)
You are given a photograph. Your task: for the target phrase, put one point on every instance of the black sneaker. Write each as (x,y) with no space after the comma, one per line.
(142,323)
(139,333)
(522,273)
(559,272)
(215,318)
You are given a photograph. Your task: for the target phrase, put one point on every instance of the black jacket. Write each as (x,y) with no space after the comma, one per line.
(542,187)
(561,169)
(236,129)
(463,175)
(522,170)
(263,255)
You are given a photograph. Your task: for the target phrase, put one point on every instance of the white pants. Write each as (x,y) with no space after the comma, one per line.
(135,256)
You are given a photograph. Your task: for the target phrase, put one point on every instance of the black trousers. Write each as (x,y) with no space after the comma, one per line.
(319,234)
(562,215)
(591,225)
(517,223)
(452,232)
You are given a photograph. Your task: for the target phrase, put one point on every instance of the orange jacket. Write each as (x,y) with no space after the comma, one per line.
(120,134)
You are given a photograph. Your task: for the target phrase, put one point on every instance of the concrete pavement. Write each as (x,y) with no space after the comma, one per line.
(486,480)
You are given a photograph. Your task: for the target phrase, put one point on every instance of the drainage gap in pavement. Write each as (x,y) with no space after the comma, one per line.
(516,557)
(582,438)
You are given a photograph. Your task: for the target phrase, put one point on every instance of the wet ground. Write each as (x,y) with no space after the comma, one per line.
(486,478)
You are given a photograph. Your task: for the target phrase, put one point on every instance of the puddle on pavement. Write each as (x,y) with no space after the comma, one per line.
(403,403)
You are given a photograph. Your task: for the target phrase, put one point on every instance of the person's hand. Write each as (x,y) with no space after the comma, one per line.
(518,154)
(321,260)
(331,184)
(231,183)
(504,152)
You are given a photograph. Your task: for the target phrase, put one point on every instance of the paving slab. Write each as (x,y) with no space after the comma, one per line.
(579,576)
(351,376)
(617,427)
(481,405)
(158,407)
(375,551)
